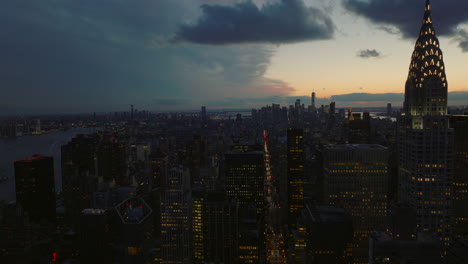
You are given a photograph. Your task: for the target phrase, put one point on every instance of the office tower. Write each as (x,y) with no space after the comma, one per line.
(426,161)
(297,104)
(332,110)
(131,112)
(359,129)
(389,109)
(401,243)
(95,237)
(221,229)
(244,182)
(244,177)
(133,230)
(356,178)
(111,160)
(423,250)
(460,180)
(159,165)
(457,252)
(79,179)
(329,232)
(203,113)
(198,224)
(296,160)
(251,238)
(426,86)
(175,217)
(402,222)
(215,227)
(35,187)
(313,100)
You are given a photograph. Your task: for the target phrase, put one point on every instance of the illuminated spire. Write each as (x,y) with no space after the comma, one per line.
(426,86)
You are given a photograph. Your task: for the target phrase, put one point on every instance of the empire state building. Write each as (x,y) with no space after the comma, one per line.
(426,143)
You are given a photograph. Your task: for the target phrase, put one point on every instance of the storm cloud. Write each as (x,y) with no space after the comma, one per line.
(406,16)
(368,53)
(463,40)
(103,55)
(285,21)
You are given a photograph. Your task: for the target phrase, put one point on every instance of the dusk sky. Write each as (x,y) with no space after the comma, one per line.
(103,55)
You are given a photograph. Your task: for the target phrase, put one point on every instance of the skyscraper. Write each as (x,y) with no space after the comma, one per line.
(35,187)
(244,182)
(460,179)
(244,179)
(426,86)
(111,160)
(356,178)
(296,158)
(313,100)
(79,179)
(221,229)
(95,237)
(332,110)
(425,139)
(175,217)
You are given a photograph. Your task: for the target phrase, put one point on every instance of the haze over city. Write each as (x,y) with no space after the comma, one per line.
(86,56)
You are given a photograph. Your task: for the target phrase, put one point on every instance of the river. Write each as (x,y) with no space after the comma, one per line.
(23,147)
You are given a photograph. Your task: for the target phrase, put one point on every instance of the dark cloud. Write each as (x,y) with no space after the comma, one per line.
(280,22)
(102,55)
(463,40)
(367,53)
(170,101)
(406,15)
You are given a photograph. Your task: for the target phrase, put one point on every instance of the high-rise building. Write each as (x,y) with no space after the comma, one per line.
(203,113)
(332,110)
(426,162)
(296,162)
(35,188)
(383,249)
(460,180)
(111,160)
(79,179)
(329,234)
(95,237)
(159,163)
(356,178)
(244,183)
(133,230)
(198,225)
(244,177)
(389,109)
(359,129)
(426,86)
(313,100)
(175,217)
(221,229)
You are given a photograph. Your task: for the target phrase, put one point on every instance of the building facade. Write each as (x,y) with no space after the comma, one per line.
(426,162)
(356,178)
(35,188)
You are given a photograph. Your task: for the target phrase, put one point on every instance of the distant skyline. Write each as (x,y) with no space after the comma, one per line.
(103,55)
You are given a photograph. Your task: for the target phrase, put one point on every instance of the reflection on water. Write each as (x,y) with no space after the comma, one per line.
(26,146)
